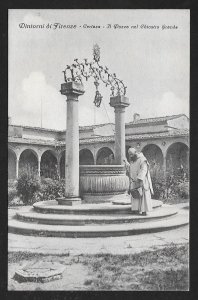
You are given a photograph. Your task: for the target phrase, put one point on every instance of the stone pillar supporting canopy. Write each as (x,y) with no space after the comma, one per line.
(72,90)
(119,103)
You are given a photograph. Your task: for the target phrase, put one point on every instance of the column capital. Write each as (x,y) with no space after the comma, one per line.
(119,101)
(72,90)
(119,109)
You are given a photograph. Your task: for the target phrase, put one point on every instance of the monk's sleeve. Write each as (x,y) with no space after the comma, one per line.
(143,171)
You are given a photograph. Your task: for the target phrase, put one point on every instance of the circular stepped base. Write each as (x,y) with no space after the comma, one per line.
(86,231)
(51,207)
(94,220)
(78,220)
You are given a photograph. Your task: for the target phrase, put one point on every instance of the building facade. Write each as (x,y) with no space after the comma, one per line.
(163,140)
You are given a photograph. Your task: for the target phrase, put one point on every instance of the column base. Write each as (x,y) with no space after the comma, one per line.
(69,201)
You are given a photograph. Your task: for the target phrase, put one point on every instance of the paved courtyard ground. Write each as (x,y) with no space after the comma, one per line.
(152,261)
(113,245)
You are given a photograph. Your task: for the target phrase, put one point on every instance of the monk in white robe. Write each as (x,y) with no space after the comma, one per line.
(140,179)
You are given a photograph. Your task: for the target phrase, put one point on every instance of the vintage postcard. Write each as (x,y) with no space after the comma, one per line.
(98,149)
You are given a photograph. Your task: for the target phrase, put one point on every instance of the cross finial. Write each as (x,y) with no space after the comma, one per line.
(96,52)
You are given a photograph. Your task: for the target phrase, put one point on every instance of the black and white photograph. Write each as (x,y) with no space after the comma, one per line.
(98,149)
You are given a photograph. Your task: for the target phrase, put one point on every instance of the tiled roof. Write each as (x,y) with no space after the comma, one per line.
(32,141)
(106,139)
(89,127)
(37,128)
(155,120)
(173,133)
(94,126)
(81,128)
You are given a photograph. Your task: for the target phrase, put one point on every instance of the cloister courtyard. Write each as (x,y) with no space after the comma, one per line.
(43,150)
(96,263)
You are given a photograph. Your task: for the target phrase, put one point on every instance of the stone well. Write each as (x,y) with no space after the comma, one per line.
(103,183)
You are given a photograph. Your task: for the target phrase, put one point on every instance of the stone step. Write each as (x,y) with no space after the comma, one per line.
(52,207)
(18,227)
(77,220)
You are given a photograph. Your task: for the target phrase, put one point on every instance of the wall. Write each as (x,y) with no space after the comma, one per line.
(15,131)
(85,133)
(181,122)
(105,130)
(39,134)
(145,128)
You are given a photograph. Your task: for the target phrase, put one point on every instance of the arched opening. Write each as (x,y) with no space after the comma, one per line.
(62,165)
(86,157)
(177,159)
(11,164)
(154,155)
(105,156)
(49,165)
(28,162)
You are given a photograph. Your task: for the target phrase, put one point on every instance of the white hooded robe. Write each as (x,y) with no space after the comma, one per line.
(140,170)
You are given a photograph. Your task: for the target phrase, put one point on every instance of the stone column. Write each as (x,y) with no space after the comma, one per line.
(119,103)
(164,165)
(94,156)
(17,167)
(58,167)
(72,90)
(39,166)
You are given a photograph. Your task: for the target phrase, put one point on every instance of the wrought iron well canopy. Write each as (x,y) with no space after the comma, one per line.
(78,70)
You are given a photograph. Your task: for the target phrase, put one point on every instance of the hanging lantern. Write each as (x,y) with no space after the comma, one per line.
(98,96)
(97,99)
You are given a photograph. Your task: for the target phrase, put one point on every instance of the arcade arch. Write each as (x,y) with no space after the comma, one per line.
(177,158)
(28,161)
(86,157)
(105,156)
(49,165)
(154,155)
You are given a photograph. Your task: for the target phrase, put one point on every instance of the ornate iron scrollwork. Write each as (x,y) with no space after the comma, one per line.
(78,70)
